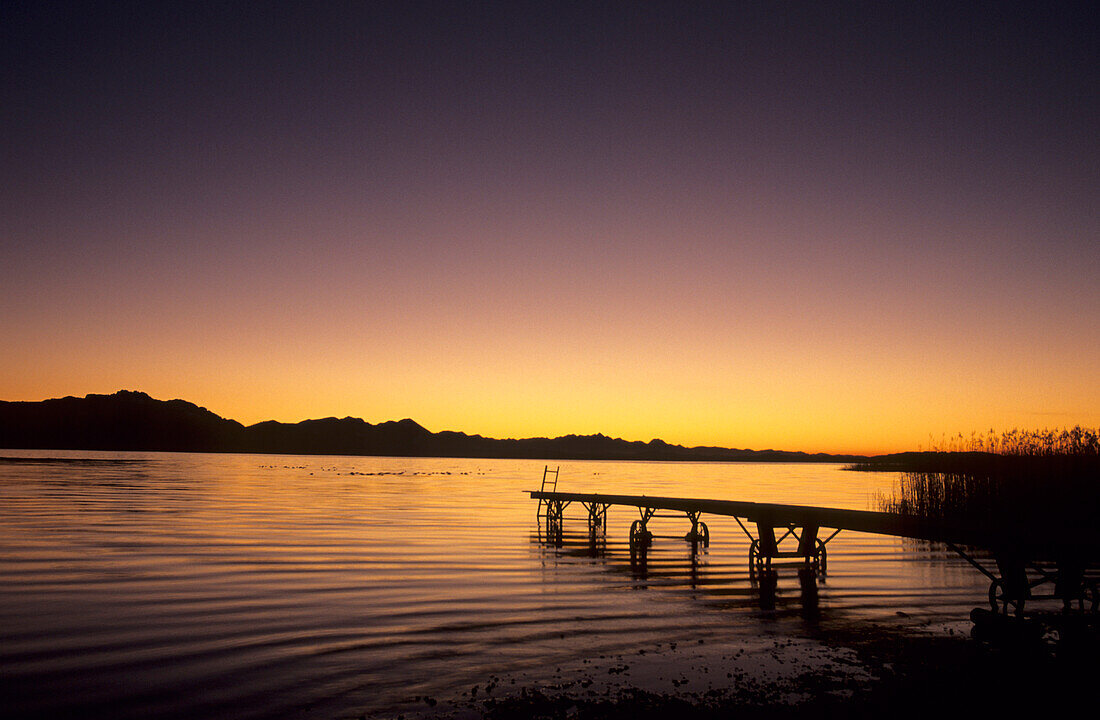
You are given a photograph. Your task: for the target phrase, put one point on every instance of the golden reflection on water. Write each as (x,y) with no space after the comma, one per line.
(251,585)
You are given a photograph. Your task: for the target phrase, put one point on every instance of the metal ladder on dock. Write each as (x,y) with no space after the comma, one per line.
(549,484)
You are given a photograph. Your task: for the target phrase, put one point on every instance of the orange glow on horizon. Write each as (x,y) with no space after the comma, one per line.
(722,348)
(841,397)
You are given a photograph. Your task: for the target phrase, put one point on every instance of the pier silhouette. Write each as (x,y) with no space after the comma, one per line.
(1025,568)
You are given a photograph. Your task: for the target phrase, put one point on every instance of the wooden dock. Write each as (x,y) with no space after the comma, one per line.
(1021,563)
(772,514)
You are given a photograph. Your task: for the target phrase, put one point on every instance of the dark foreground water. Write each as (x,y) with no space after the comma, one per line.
(179,585)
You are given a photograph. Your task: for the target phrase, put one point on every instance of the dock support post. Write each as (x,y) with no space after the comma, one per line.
(1012,588)
(555,512)
(699,530)
(597,517)
(764,548)
(640,536)
(812,549)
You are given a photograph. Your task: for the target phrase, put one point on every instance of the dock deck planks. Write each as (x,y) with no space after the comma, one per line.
(777,515)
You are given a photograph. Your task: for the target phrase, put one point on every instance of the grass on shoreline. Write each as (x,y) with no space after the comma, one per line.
(1027,484)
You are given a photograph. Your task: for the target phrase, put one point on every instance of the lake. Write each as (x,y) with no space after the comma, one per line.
(203,585)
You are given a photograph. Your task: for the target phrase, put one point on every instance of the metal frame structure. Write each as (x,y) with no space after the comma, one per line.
(1018,578)
(764,549)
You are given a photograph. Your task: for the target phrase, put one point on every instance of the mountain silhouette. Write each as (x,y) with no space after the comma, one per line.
(130,420)
(124,421)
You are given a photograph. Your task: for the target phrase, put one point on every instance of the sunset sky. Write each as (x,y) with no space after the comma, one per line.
(807,226)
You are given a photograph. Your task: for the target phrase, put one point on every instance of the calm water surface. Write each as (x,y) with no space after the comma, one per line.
(161,584)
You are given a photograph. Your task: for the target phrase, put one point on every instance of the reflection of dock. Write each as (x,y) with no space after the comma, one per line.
(792,535)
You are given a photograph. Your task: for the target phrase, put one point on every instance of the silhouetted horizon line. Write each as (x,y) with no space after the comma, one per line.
(133,420)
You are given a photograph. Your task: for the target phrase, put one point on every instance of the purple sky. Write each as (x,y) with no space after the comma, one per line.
(836,227)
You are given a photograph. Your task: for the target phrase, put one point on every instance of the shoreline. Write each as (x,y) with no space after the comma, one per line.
(858,670)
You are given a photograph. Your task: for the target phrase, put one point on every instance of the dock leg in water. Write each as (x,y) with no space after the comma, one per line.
(765,548)
(597,517)
(640,536)
(1012,589)
(555,512)
(699,533)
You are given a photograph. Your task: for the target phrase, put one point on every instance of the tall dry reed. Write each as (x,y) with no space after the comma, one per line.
(1042,484)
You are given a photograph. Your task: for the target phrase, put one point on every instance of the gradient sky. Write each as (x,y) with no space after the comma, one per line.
(841,228)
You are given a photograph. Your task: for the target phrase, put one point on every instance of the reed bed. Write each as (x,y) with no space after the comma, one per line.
(1023,486)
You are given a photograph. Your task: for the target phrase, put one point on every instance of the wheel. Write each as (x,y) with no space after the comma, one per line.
(1000,603)
(994,595)
(705,532)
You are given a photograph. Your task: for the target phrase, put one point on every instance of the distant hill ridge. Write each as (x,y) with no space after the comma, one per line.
(129,420)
